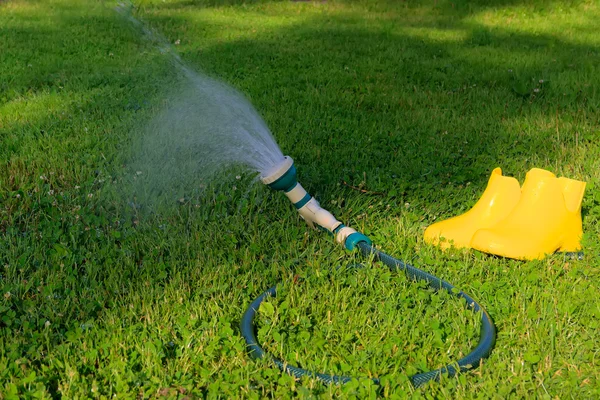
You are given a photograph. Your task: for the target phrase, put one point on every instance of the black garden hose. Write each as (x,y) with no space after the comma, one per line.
(472,360)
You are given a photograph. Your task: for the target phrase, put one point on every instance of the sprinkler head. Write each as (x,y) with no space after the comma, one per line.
(281,176)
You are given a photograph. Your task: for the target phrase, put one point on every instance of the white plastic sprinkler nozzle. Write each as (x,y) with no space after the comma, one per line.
(283,177)
(273,176)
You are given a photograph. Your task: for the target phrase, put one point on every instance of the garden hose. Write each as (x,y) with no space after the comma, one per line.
(472,360)
(282,177)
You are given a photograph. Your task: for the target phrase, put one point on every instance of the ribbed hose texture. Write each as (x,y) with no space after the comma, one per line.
(487,333)
(472,360)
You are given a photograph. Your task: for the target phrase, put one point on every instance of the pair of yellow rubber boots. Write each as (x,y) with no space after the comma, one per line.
(525,223)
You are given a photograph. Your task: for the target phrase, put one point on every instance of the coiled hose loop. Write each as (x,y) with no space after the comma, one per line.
(472,360)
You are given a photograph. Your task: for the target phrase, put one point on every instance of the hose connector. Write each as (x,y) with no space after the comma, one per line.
(350,237)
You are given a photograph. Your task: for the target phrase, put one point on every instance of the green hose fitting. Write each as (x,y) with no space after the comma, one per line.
(354,239)
(349,237)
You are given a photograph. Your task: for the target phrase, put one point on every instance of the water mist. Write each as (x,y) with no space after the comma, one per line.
(205,127)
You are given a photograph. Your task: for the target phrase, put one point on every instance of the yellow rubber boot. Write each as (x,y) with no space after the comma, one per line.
(500,197)
(547,219)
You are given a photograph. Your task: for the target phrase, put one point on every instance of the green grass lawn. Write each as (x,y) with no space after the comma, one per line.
(417,101)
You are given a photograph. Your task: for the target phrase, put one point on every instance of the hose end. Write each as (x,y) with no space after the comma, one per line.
(350,237)
(354,239)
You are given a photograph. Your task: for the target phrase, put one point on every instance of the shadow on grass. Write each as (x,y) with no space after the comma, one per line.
(413,100)
(66,84)
(412,107)
(460,8)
